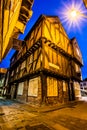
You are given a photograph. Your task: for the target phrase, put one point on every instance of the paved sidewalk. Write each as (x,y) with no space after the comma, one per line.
(19,116)
(44,108)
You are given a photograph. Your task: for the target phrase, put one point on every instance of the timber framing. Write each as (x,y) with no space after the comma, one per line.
(47,66)
(14,15)
(85,3)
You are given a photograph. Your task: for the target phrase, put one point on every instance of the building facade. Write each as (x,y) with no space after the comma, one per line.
(14,15)
(83,87)
(46,68)
(85,3)
(2,81)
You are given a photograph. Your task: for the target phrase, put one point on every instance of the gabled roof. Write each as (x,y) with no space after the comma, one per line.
(42,17)
(76,51)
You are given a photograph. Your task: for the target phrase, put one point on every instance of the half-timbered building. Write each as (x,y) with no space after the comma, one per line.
(46,68)
(2,80)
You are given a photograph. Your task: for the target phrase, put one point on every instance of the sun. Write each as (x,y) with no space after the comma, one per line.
(71,14)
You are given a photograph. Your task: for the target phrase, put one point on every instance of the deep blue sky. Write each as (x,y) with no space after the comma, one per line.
(56,7)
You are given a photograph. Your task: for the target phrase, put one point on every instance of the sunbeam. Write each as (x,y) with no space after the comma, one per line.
(72,15)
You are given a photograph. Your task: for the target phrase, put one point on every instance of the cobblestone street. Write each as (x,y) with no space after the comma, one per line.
(18,116)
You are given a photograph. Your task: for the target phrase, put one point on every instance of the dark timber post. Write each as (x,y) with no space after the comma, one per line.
(44,87)
(43,77)
(71,91)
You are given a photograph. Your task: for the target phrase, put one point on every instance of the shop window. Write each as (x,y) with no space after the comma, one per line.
(77,89)
(20,88)
(52,87)
(33,87)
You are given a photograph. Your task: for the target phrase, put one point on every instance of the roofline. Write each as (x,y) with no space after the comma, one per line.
(42,16)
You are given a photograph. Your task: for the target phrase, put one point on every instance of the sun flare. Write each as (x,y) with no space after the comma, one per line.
(71,14)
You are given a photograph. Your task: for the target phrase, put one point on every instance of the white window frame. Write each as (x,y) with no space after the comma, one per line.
(33,87)
(20,88)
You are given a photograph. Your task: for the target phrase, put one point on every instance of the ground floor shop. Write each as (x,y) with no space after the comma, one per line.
(43,89)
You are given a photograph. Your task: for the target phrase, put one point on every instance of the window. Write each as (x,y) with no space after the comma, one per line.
(12,73)
(64,86)
(77,89)
(84,84)
(77,68)
(52,87)
(20,88)
(80,84)
(17,69)
(81,87)
(33,87)
(77,50)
